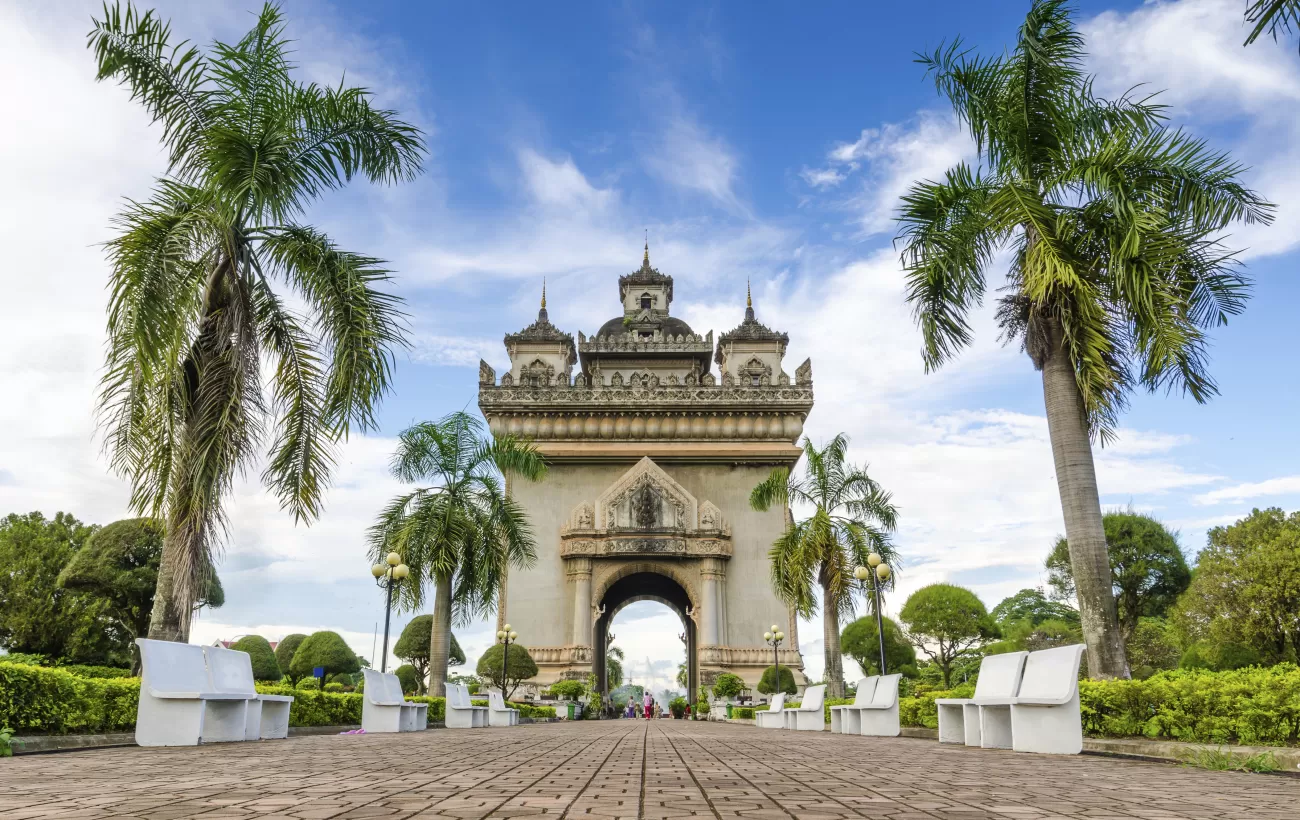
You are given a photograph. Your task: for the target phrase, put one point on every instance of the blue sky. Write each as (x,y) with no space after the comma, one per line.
(751,140)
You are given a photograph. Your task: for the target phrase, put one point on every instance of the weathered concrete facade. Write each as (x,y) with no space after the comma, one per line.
(652,459)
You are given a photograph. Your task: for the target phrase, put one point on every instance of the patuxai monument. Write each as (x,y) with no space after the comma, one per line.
(652,455)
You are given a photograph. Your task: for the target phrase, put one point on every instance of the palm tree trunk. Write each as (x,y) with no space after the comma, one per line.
(1076,478)
(165,624)
(440,641)
(831,638)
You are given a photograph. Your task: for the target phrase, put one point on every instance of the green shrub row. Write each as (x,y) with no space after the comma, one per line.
(38,700)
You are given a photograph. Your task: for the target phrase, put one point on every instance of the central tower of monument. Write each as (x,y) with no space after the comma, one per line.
(652,458)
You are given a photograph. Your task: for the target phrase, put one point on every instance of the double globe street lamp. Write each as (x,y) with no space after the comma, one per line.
(878,577)
(774,638)
(505,636)
(388,575)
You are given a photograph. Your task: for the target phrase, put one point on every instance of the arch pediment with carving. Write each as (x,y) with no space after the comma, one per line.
(646,512)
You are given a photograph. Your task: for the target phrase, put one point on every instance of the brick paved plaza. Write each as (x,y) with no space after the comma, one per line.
(620,769)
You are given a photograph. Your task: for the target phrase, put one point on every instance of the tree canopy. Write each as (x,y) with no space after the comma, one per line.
(1147,566)
(1033,606)
(519,667)
(284,652)
(947,623)
(413,647)
(1246,588)
(728,686)
(324,649)
(860,643)
(265,666)
(409,678)
(39,616)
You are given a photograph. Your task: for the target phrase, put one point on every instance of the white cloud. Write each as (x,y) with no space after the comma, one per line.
(688,156)
(1285,485)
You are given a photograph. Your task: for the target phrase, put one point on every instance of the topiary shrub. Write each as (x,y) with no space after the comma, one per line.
(742,713)
(521,667)
(325,649)
(265,666)
(406,675)
(767,686)
(728,686)
(333,687)
(284,652)
(568,689)
(308,684)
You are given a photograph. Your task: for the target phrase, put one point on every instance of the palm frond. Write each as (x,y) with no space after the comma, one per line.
(1272,16)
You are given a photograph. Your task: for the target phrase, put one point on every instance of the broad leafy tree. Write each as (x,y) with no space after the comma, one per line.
(851,517)
(324,649)
(39,616)
(119,565)
(860,642)
(460,531)
(1114,274)
(413,647)
(1147,567)
(1246,588)
(236,331)
(519,666)
(284,652)
(1033,606)
(948,624)
(265,667)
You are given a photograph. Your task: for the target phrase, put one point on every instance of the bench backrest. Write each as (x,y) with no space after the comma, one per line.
(393,686)
(1000,675)
(813,698)
(458,696)
(495,700)
(378,691)
(778,702)
(1052,674)
(173,667)
(886,691)
(866,690)
(229,670)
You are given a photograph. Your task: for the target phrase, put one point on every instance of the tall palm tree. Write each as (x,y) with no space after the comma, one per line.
(462,530)
(851,518)
(614,658)
(1114,271)
(201,273)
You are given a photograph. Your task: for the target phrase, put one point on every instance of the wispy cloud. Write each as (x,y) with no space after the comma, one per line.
(687,156)
(1284,486)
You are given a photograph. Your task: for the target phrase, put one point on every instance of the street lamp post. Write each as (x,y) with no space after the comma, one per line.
(774,637)
(878,577)
(388,575)
(505,636)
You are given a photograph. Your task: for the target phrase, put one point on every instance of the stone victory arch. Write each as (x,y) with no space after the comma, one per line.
(652,458)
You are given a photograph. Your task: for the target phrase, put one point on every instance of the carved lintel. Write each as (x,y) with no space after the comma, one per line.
(603,544)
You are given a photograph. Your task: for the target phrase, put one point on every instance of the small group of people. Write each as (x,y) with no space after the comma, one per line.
(647,708)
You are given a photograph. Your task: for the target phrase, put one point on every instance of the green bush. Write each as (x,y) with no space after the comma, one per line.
(766,684)
(285,650)
(408,678)
(568,689)
(36,700)
(678,707)
(324,649)
(83,671)
(333,687)
(742,713)
(265,666)
(308,684)
(728,686)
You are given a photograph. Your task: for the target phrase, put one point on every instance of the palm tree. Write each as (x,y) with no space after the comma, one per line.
(201,273)
(1273,16)
(1114,271)
(463,530)
(614,658)
(851,518)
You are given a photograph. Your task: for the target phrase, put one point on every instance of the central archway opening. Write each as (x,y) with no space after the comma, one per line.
(632,589)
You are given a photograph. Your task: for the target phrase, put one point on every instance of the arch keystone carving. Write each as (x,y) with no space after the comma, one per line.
(646,498)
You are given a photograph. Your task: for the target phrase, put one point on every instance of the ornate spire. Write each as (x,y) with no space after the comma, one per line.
(541,314)
(645,260)
(543,291)
(749,303)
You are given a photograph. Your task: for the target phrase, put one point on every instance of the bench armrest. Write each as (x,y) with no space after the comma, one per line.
(200,695)
(276,698)
(952,701)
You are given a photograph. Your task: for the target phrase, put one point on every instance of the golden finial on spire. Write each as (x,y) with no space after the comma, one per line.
(749,299)
(543,292)
(646,259)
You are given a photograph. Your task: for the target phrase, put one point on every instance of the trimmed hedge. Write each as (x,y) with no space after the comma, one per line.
(38,700)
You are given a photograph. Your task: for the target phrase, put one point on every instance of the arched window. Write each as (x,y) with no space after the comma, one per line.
(647,301)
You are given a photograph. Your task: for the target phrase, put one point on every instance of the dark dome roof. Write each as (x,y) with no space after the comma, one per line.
(670,325)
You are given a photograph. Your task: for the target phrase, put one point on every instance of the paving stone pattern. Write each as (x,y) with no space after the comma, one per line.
(620,769)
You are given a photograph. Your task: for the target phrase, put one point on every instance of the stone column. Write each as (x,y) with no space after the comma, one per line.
(579,573)
(712,575)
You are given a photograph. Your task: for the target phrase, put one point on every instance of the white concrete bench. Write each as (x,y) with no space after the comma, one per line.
(461,712)
(231,672)
(810,715)
(879,718)
(774,716)
(386,709)
(845,719)
(498,713)
(1045,715)
(960,718)
(177,705)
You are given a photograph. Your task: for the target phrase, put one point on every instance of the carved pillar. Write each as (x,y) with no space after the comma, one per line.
(713,574)
(578,571)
